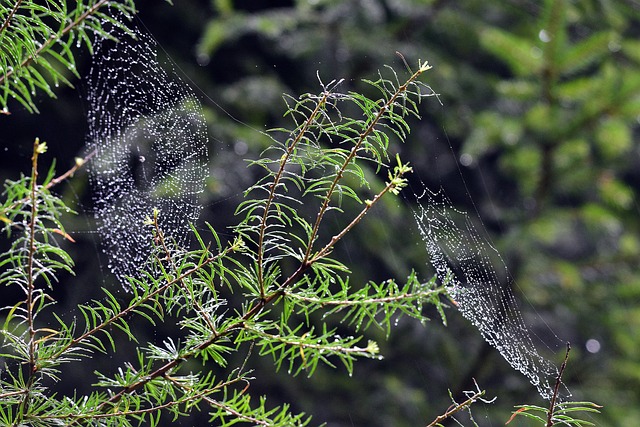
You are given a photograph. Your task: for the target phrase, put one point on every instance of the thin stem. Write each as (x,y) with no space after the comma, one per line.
(327,248)
(556,389)
(32,252)
(276,182)
(80,162)
(455,408)
(369,301)
(30,301)
(313,346)
(7,21)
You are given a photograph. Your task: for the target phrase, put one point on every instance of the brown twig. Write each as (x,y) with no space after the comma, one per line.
(68,174)
(556,389)
(80,162)
(457,407)
(368,205)
(7,21)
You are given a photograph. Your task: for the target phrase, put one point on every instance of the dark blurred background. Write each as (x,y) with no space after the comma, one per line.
(537,134)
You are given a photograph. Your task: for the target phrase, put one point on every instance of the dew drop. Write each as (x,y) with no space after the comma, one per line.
(135,103)
(472,271)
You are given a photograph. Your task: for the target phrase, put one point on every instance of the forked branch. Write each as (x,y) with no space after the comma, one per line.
(276,182)
(472,398)
(362,137)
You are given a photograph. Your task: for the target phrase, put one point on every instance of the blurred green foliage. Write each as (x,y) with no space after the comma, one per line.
(537,134)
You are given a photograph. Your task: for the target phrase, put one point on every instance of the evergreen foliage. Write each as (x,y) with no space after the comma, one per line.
(38,41)
(546,121)
(277,317)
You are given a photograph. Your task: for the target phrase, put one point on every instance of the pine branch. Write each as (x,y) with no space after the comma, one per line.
(30,290)
(396,181)
(23,48)
(457,407)
(7,21)
(362,137)
(274,185)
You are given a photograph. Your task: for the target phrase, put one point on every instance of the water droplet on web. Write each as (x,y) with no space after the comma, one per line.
(149,134)
(464,262)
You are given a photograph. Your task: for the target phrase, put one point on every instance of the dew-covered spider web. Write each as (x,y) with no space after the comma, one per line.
(465,262)
(149,135)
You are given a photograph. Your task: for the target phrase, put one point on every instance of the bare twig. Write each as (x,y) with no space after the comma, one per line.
(472,398)
(80,162)
(554,398)
(368,205)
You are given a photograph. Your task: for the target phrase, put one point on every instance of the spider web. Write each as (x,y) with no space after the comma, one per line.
(149,134)
(464,262)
